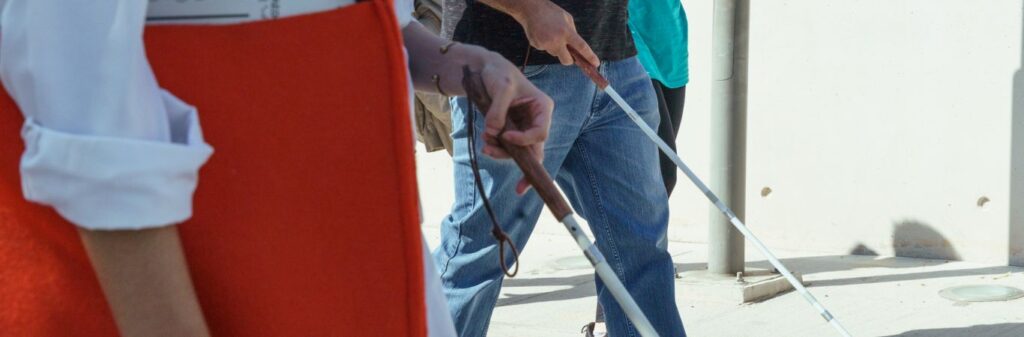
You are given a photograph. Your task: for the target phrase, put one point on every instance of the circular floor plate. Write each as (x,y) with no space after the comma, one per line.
(981,293)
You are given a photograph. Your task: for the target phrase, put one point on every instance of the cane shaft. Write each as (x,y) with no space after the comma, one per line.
(538,177)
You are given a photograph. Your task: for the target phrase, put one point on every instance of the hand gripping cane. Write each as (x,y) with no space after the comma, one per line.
(602,83)
(538,177)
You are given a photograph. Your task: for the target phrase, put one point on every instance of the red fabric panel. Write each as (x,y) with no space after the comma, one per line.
(306,222)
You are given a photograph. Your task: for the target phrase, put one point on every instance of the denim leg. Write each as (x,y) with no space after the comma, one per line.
(468,257)
(616,185)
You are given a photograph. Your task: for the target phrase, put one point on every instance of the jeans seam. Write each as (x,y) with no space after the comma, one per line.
(451,255)
(592,180)
(538,71)
(593,107)
(461,223)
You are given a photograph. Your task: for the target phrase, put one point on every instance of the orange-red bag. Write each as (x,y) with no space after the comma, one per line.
(305,219)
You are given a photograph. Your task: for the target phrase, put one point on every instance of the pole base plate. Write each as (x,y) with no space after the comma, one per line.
(753,285)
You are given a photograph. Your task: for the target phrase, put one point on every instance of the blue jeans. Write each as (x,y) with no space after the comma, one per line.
(608,169)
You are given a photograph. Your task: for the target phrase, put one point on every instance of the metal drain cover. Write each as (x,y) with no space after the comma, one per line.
(981,293)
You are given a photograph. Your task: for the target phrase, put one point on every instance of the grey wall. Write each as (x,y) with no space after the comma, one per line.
(1016,235)
(892,127)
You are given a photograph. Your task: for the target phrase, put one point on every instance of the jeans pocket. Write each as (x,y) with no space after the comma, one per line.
(532,71)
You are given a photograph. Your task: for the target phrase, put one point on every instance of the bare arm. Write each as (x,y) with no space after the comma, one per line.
(505,83)
(146,281)
(548,27)
(78,67)
(426,60)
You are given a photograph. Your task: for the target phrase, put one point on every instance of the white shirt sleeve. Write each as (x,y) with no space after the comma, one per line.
(404,10)
(235,11)
(105,146)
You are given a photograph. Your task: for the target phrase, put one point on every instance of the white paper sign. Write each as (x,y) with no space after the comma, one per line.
(233,11)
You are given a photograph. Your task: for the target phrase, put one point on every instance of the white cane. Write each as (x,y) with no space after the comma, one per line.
(539,179)
(603,84)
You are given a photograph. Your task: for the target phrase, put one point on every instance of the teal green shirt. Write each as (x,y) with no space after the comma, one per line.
(660,33)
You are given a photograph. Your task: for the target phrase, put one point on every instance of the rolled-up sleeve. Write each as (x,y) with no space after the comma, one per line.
(105,146)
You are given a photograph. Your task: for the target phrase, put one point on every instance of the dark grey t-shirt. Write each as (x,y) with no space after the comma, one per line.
(602,23)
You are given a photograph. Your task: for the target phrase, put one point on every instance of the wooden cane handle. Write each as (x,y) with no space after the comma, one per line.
(537,176)
(533,170)
(588,68)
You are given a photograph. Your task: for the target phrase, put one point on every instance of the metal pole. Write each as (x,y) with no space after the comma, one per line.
(728,131)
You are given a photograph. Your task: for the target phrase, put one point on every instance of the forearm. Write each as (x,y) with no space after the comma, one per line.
(548,27)
(146,281)
(504,82)
(426,60)
(515,8)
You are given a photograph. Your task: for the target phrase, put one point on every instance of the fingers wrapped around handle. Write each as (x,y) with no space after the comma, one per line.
(588,69)
(533,170)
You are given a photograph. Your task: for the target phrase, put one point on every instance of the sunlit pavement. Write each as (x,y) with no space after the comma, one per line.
(872,296)
(553,295)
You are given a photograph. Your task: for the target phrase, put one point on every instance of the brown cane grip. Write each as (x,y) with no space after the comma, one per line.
(538,177)
(532,169)
(588,68)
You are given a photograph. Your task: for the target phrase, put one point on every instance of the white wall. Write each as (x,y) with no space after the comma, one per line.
(875,123)
(863,115)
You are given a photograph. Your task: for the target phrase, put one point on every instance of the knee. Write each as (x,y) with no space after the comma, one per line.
(472,268)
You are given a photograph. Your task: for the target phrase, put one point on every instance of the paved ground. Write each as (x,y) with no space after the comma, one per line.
(873,296)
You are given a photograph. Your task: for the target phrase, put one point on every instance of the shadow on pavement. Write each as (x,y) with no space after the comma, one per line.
(833,263)
(911,276)
(579,286)
(916,245)
(992,330)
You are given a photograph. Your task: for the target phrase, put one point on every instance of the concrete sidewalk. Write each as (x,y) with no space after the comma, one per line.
(872,296)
